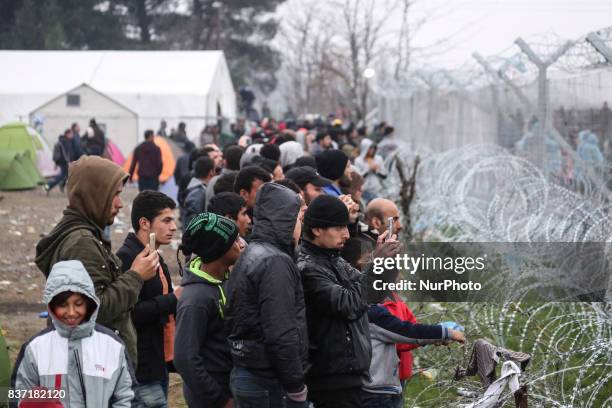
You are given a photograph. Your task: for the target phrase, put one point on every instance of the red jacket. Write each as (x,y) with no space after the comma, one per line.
(400,310)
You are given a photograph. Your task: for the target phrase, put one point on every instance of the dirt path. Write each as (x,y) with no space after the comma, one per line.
(25,217)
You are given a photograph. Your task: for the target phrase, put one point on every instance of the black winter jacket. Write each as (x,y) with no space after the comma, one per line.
(201,352)
(67,149)
(149,315)
(339,336)
(266,316)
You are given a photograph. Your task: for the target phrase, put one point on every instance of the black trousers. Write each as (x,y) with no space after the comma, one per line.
(148,183)
(342,398)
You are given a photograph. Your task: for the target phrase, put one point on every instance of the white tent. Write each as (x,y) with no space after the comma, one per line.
(119,122)
(190,86)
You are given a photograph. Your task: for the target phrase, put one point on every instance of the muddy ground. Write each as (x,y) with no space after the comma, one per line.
(25,216)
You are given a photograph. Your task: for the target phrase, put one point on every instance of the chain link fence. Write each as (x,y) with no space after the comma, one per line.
(545,99)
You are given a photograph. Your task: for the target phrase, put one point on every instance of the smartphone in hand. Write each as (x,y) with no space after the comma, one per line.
(152,241)
(389,227)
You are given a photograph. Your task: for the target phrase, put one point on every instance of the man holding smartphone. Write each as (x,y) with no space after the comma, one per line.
(381,215)
(153,315)
(94,187)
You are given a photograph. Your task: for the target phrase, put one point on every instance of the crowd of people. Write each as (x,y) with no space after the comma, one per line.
(275,307)
(71,145)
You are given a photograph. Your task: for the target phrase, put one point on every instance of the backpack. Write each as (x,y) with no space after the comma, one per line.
(58,154)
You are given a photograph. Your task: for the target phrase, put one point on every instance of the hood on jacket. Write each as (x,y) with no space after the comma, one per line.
(71,221)
(586,136)
(276,211)
(593,139)
(588,149)
(290,152)
(71,276)
(249,153)
(364,146)
(91,186)
(194,182)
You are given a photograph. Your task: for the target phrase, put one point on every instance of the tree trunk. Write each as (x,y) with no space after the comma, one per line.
(144,21)
(407,192)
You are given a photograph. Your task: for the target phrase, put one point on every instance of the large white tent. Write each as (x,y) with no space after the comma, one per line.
(190,86)
(119,122)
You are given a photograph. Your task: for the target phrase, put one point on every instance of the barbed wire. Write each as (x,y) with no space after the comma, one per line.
(580,57)
(487,194)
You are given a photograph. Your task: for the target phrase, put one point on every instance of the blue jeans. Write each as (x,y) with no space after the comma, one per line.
(60,178)
(254,391)
(146,183)
(95,151)
(151,395)
(371,400)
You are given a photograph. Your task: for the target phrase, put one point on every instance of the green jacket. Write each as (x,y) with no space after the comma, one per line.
(76,238)
(93,182)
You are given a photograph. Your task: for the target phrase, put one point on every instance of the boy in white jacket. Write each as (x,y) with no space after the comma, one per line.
(84,364)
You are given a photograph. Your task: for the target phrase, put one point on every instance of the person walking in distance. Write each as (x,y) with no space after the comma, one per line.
(147,156)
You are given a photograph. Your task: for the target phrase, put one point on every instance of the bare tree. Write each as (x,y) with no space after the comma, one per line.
(297,37)
(403,41)
(306,40)
(327,57)
(328,48)
(358,46)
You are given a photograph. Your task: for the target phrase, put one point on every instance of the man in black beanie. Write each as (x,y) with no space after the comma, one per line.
(333,164)
(201,352)
(266,317)
(339,339)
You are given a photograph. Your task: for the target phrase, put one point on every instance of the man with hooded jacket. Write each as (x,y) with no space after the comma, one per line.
(266,317)
(93,188)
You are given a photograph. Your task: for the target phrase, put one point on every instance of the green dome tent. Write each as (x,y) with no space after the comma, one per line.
(22,137)
(18,171)
(19,151)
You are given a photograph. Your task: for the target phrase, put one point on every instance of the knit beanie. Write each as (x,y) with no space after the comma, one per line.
(331,163)
(306,161)
(326,211)
(271,152)
(209,236)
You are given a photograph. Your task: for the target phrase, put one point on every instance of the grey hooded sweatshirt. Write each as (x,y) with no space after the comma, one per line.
(88,362)
(386,331)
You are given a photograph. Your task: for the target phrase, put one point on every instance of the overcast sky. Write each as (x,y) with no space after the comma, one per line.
(491,26)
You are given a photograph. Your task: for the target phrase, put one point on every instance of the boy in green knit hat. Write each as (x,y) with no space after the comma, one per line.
(201,350)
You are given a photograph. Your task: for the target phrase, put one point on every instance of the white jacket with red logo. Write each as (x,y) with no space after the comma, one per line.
(87,362)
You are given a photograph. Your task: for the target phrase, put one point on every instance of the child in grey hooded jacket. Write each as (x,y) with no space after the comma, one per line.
(383,388)
(81,363)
